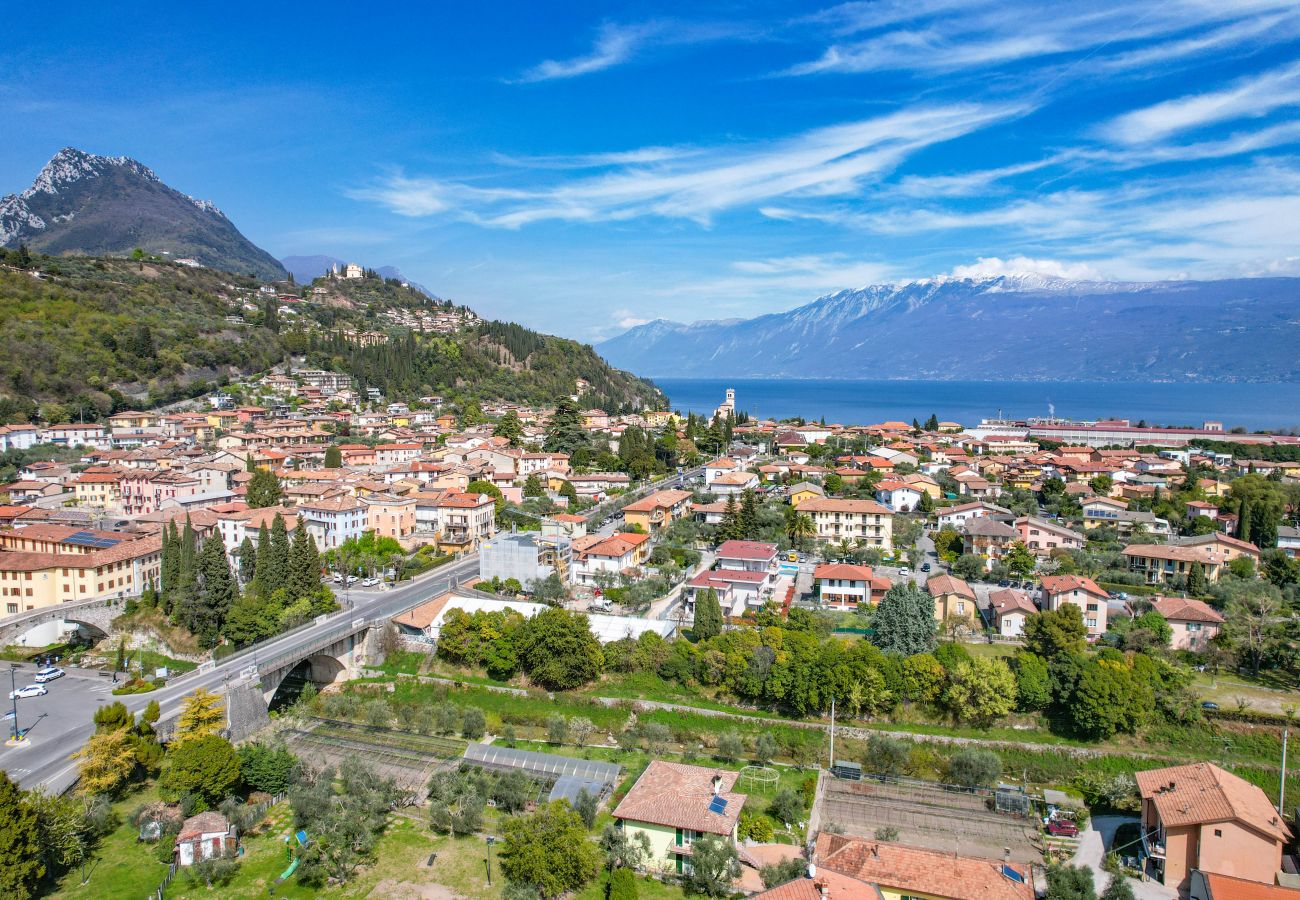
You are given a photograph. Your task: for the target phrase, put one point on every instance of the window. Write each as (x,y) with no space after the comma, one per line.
(11,607)
(1218,832)
(1091,623)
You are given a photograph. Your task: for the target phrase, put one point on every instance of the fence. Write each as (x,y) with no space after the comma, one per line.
(259,812)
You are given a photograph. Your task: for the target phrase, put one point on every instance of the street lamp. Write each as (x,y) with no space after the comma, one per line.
(490,841)
(13,696)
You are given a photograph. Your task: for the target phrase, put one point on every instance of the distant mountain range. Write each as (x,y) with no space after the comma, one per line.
(307,268)
(94,205)
(1011,327)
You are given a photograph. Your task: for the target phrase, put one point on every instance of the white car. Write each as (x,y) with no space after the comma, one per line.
(904,571)
(30,690)
(48,674)
(370,582)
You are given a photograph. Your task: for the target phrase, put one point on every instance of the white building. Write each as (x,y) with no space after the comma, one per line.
(333,521)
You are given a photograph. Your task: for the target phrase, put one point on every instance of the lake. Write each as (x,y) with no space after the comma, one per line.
(853,402)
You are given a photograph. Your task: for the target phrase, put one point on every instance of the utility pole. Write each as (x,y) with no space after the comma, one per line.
(1281,791)
(832,765)
(13,687)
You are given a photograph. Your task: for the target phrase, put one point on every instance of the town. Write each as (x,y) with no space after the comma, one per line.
(645,653)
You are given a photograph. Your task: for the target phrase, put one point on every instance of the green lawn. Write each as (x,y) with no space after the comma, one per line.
(1271,693)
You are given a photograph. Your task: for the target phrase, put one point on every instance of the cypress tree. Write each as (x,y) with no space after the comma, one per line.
(204,611)
(708,615)
(279,557)
(1244,520)
(170,570)
(333,457)
(304,564)
(729,526)
(262,568)
(247,560)
(1196,580)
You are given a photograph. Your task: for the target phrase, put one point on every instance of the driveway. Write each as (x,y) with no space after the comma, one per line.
(1092,843)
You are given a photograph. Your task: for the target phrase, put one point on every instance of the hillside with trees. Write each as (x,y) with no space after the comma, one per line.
(121,334)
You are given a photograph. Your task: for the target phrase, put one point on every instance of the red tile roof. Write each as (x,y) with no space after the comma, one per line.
(1202,792)
(678,796)
(913,870)
(755,550)
(1184,609)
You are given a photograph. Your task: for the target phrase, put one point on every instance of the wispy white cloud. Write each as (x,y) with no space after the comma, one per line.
(1251,97)
(1111,35)
(614,44)
(834,161)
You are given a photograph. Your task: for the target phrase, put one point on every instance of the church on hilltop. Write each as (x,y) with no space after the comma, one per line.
(728,407)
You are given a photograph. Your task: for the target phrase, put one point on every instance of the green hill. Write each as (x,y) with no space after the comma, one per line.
(97,335)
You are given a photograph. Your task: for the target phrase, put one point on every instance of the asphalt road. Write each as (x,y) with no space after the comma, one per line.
(46,760)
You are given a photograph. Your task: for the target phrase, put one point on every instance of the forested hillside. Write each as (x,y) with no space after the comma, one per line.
(85,337)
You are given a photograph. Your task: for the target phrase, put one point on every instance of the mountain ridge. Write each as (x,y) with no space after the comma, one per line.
(1021,327)
(85,204)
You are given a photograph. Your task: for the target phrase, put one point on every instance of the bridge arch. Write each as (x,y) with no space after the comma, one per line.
(320,669)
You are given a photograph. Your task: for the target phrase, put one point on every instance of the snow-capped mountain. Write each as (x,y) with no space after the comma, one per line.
(103,205)
(1014,327)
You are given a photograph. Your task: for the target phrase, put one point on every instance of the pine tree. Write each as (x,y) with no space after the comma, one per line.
(263,490)
(304,564)
(247,560)
(708,615)
(206,609)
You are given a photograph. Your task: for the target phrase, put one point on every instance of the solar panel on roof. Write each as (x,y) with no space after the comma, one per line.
(1013,874)
(718,805)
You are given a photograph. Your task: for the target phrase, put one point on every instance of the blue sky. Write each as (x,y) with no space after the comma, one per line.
(584,167)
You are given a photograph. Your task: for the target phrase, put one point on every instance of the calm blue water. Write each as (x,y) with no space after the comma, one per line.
(1253,406)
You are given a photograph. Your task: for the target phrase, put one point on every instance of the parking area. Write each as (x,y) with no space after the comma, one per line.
(48,719)
(930,815)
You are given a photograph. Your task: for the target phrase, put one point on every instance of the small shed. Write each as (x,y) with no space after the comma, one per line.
(850,771)
(205,836)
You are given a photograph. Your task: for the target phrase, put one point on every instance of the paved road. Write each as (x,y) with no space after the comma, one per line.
(47,762)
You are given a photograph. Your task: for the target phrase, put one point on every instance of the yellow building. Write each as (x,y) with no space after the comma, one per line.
(673,804)
(657,511)
(804,491)
(952,597)
(103,491)
(36,580)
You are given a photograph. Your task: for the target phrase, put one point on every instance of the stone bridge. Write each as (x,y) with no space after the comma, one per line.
(97,615)
(337,655)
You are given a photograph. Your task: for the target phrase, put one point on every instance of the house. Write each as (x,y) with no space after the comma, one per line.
(1226,545)
(844,586)
(747,556)
(1101,508)
(952,597)
(956,516)
(863,521)
(805,490)
(672,804)
(208,835)
(1194,622)
(1165,563)
(1288,540)
(1010,608)
(390,516)
(898,495)
(717,468)
(657,511)
(99,489)
(852,868)
(1042,536)
(734,483)
(989,538)
(333,520)
(1198,816)
(1083,593)
(1209,886)
(615,554)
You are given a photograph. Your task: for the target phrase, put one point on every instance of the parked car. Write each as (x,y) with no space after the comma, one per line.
(370,582)
(925,567)
(1209,704)
(48,674)
(904,571)
(30,690)
(1004,583)
(1062,828)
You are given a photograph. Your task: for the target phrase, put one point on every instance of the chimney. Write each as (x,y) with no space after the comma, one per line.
(875,851)
(717,785)
(823,889)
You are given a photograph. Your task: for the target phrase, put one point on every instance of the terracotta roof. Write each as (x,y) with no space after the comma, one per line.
(911,869)
(833,504)
(948,584)
(1009,601)
(1202,792)
(1059,584)
(836,886)
(1184,609)
(209,822)
(842,571)
(1223,887)
(756,550)
(678,796)
(423,615)
(658,499)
